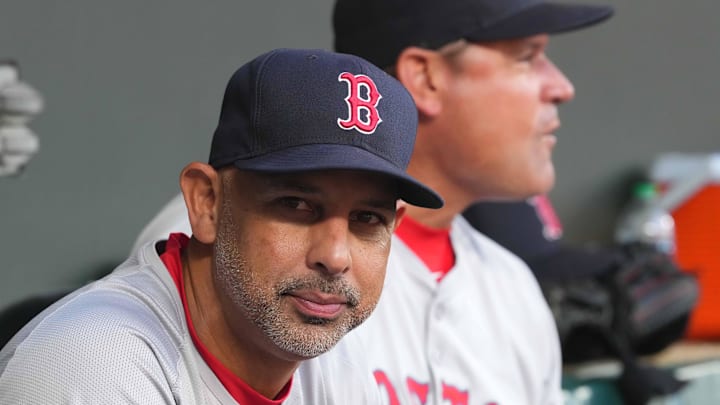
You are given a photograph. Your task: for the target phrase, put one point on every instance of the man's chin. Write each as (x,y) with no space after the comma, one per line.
(544,180)
(310,338)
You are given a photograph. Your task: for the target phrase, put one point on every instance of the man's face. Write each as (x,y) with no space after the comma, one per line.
(501,115)
(300,258)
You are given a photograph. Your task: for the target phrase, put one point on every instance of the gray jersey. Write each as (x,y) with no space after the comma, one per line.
(123,340)
(484,335)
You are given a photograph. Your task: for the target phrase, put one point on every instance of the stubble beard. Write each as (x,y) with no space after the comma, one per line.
(262,304)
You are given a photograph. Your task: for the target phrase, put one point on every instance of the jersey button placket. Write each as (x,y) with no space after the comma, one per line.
(435,347)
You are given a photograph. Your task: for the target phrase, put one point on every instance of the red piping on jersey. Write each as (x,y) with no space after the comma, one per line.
(431,245)
(238,389)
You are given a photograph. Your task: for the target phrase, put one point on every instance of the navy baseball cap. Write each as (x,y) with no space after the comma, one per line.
(294,110)
(378,30)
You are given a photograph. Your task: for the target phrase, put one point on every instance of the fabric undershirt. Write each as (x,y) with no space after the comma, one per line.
(431,245)
(238,389)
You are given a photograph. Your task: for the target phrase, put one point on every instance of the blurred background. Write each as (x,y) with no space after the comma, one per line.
(132,92)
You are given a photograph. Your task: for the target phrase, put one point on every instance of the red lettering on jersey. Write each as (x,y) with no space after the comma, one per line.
(363,114)
(454,395)
(383,381)
(420,390)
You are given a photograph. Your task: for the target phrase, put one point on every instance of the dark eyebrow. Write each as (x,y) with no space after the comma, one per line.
(534,44)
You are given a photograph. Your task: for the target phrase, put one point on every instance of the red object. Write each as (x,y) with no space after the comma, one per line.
(697,229)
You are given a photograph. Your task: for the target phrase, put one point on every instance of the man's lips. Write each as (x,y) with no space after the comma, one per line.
(551,126)
(316,304)
(549,133)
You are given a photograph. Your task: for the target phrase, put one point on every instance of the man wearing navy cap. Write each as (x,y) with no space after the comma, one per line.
(462,320)
(291,221)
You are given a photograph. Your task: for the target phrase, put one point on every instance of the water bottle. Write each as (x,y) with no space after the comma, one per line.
(645,221)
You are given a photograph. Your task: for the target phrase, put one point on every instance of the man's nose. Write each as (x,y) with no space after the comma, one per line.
(329,250)
(558,88)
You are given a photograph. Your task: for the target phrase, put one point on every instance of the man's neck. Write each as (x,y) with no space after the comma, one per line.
(236,347)
(434,218)
(424,168)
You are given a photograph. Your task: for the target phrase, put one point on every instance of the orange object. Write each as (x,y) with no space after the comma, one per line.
(697,230)
(692,196)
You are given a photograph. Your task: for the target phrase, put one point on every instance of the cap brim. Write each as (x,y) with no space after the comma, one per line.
(338,157)
(542,18)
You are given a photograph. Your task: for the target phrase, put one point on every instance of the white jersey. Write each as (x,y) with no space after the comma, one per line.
(483,335)
(123,340)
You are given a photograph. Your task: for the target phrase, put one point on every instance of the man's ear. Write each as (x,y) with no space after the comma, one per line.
(200,185)
(420,71)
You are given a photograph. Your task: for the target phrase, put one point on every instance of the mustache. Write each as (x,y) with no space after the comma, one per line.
(333,287)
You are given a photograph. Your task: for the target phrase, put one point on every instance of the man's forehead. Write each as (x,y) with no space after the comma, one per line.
(535,41)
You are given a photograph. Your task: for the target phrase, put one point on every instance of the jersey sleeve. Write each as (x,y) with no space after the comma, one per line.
(90,351)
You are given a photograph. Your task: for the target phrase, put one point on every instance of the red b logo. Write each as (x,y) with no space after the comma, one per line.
(363,114)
